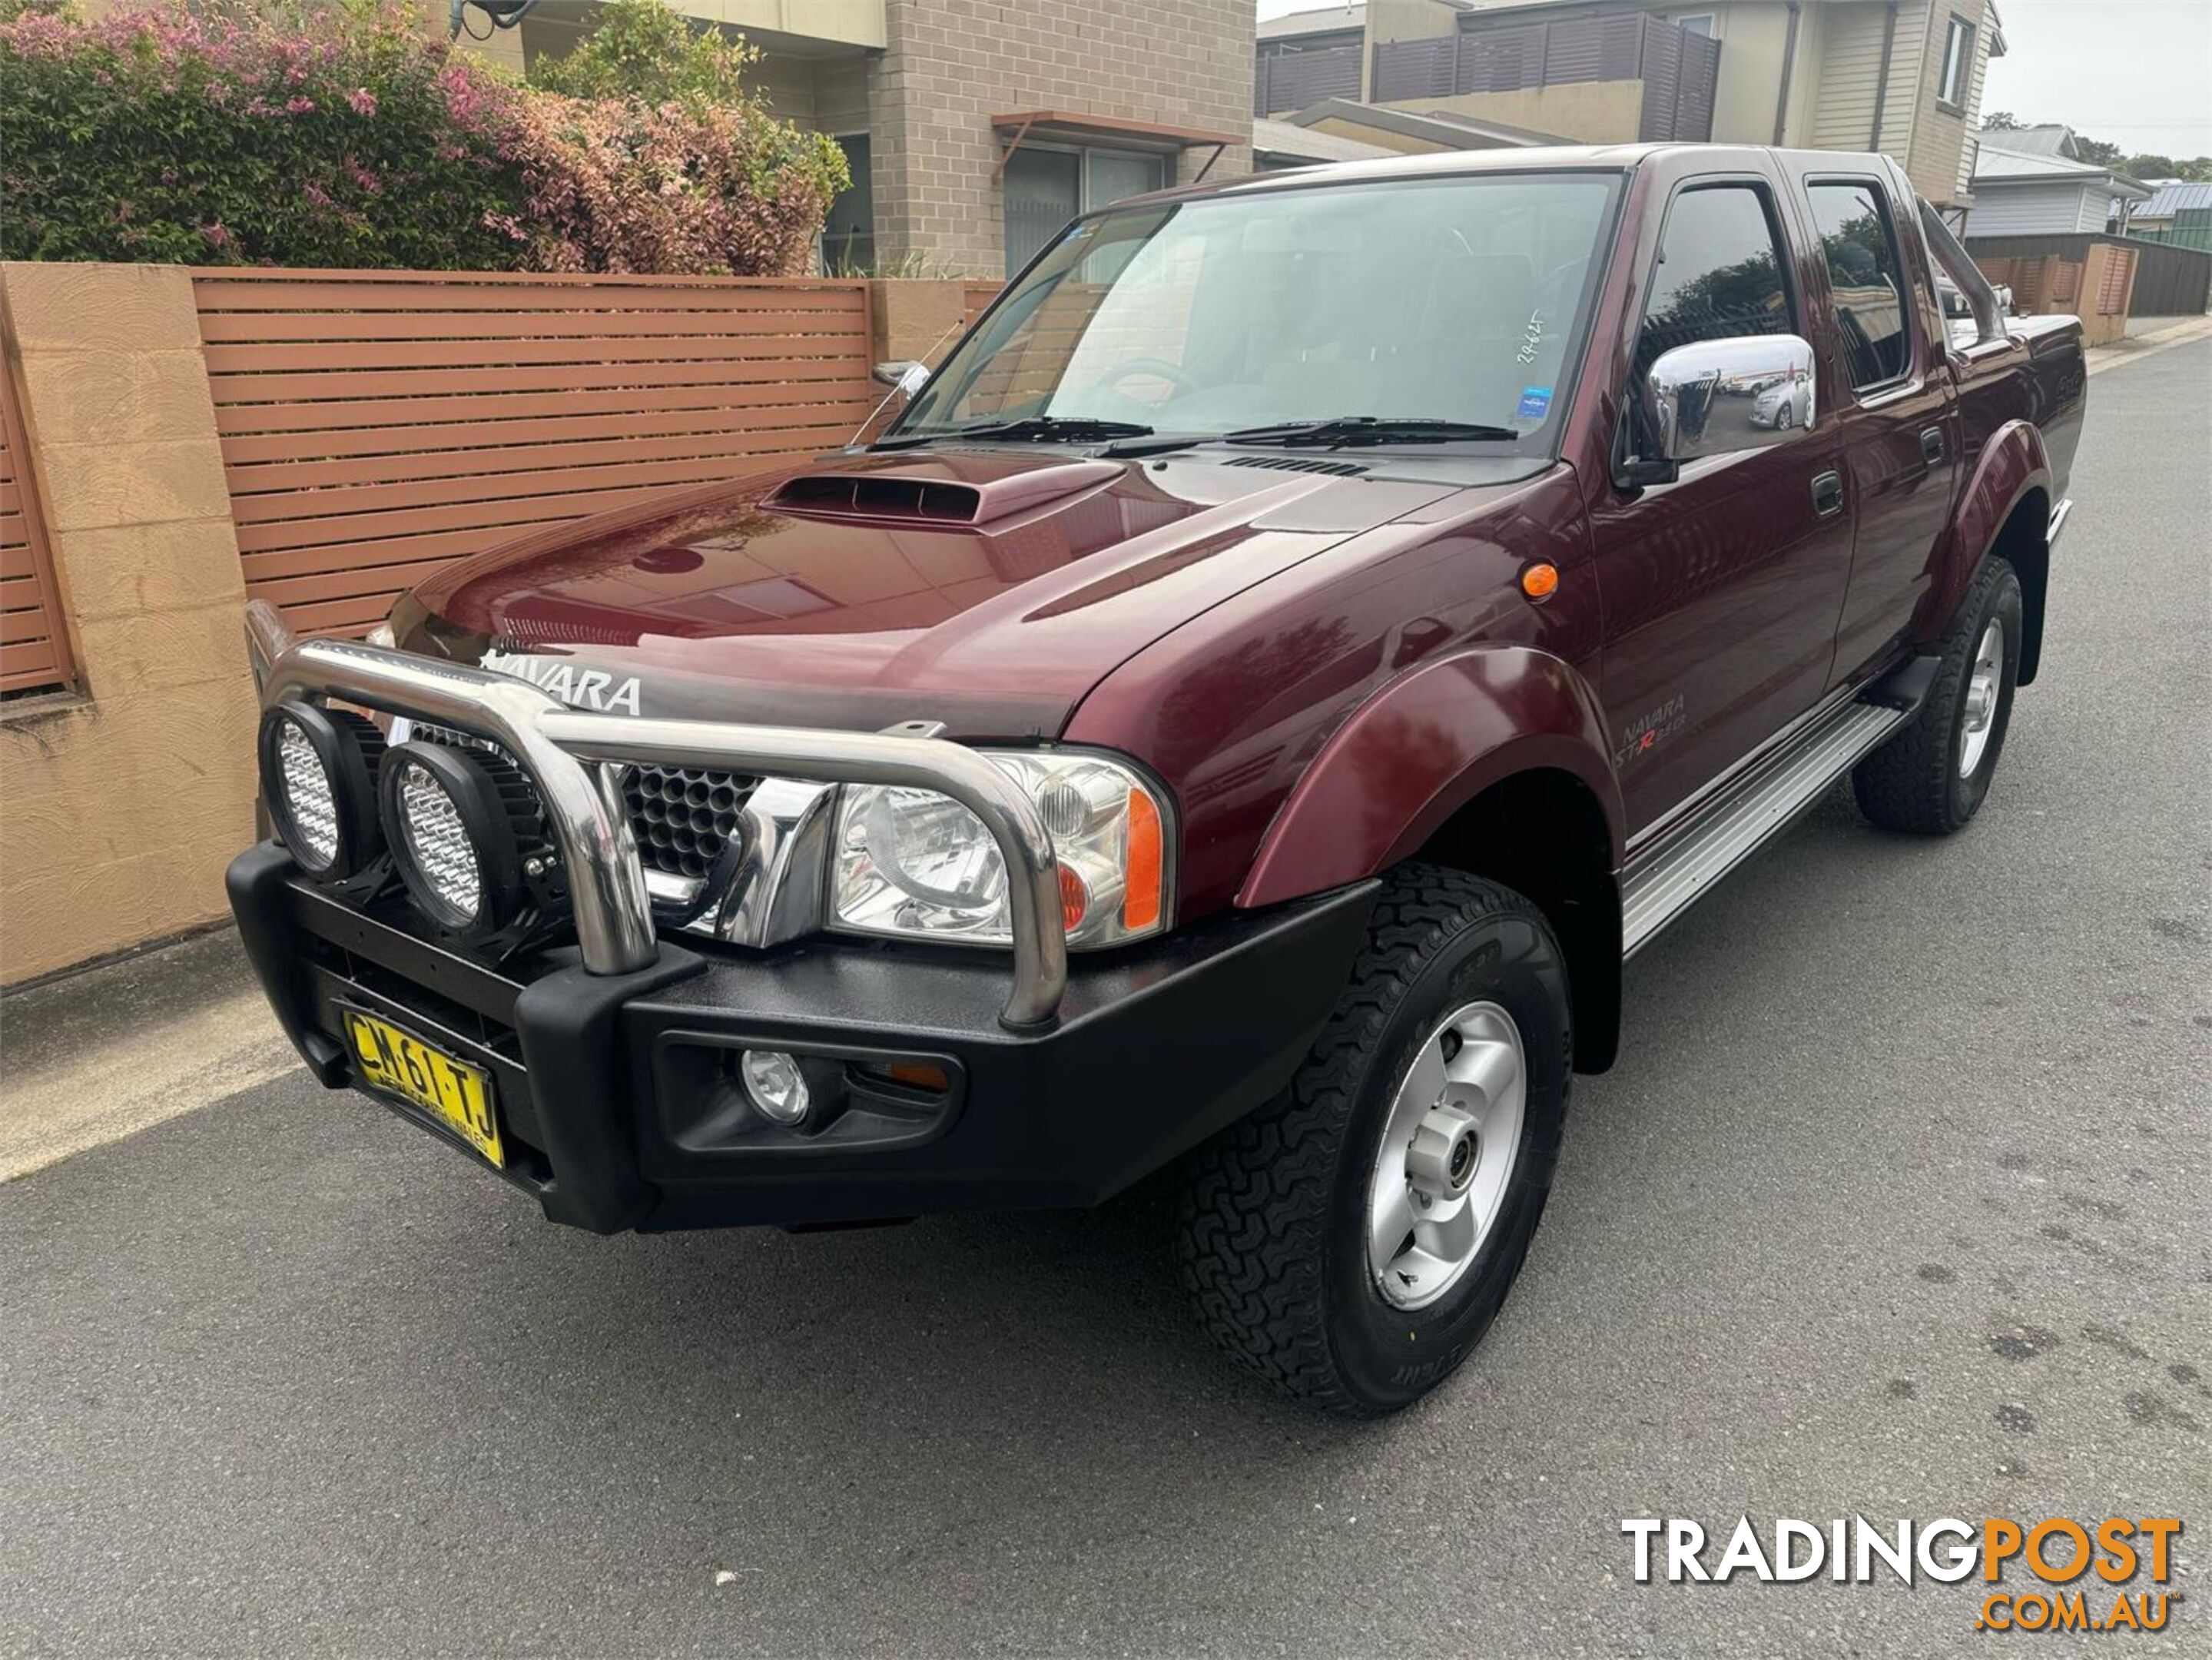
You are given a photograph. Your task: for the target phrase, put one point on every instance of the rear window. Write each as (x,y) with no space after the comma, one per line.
(1866,278)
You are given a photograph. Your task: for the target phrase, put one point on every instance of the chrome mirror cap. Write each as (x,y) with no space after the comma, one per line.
(1717,397)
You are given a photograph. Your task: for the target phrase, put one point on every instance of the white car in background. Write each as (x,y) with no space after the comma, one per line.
(1784,405)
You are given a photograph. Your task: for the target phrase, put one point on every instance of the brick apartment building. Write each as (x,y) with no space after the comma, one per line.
(976,128)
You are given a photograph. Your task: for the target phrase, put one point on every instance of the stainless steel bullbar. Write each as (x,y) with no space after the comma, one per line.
(570,755)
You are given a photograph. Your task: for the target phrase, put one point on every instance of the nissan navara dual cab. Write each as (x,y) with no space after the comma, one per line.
(1244,710)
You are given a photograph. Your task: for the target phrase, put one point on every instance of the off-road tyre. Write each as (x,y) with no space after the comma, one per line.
(1913,782)
(1273,1237)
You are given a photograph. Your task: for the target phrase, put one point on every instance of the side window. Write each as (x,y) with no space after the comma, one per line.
(1719,273)
(1867,280)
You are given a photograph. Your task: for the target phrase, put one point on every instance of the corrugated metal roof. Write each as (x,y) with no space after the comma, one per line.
(2169,199)
(1993,164)
(2049,139)
(1305,144)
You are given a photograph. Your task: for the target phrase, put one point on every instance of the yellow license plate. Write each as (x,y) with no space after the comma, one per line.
(455,1093)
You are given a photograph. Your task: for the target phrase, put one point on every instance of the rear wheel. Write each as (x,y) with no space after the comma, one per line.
(1932,777)
(1352,1241)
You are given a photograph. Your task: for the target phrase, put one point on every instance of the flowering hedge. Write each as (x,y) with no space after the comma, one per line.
(354,136)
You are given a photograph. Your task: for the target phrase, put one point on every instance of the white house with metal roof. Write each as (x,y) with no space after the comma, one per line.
(2043,192)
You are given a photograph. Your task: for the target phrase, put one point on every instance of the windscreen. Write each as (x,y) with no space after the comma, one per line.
(1457,299)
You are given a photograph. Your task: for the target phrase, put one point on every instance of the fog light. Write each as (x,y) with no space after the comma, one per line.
(774,1085)
(318,768)
(453,835)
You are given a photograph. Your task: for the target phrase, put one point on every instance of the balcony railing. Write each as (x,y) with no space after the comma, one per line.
(1678,69)
(1292,80)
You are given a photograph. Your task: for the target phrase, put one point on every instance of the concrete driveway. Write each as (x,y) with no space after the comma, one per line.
(1899,1204)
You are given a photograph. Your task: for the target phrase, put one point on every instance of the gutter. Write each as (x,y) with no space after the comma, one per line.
(1882,76)
(1788,63)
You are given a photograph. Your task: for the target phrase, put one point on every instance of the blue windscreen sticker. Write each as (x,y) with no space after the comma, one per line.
(1536,403)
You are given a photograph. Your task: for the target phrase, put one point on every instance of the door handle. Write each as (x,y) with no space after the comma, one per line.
(1828,494)
(1931,444)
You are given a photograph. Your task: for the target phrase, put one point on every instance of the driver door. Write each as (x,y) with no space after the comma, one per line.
(1721,589)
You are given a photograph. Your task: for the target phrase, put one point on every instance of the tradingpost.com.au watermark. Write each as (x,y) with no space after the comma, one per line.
(2077,1573)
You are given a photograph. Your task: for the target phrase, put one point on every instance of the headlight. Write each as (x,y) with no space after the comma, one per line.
(913,862)
(318,768)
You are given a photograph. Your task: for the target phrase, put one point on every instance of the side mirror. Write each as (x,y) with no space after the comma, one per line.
(1716,396)
(903,376)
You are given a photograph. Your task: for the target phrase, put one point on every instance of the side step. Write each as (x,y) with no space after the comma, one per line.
(1659,884)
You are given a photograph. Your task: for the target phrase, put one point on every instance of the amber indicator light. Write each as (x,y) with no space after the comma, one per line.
(918,1074)
(1074,899)
(1540,581)
(1140,900)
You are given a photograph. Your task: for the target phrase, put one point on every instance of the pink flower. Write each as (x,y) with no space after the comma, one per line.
(218,234)
(363,101)
(298,104)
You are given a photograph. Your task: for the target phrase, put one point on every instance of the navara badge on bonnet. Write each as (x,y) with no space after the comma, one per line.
(572,683)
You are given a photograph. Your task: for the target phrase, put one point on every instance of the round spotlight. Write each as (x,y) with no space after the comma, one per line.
(774,1085)
(451,837)
(318,778)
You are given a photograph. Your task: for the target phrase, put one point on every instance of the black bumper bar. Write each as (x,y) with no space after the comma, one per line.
(617,1096)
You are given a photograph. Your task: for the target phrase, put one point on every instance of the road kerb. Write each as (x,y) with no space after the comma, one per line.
(2141,346)
(132,1082)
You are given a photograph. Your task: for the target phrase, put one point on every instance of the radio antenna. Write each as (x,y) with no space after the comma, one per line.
(884,402)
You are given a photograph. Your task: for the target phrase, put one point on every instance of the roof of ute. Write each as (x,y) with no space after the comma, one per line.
(1534,158)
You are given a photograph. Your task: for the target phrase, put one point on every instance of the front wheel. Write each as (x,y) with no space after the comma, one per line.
(1352,1241)
(1931,778)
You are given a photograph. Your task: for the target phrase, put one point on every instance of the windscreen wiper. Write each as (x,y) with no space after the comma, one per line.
(1366,429)
(1031,428)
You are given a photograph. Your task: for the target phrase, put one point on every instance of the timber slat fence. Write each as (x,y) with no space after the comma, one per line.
(376,425)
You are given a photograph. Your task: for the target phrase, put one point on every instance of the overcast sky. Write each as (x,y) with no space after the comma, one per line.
(2137,72)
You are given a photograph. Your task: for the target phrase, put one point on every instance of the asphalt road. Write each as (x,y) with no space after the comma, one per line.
(1898,1204)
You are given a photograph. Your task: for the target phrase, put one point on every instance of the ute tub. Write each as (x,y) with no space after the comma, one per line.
(613,1090)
